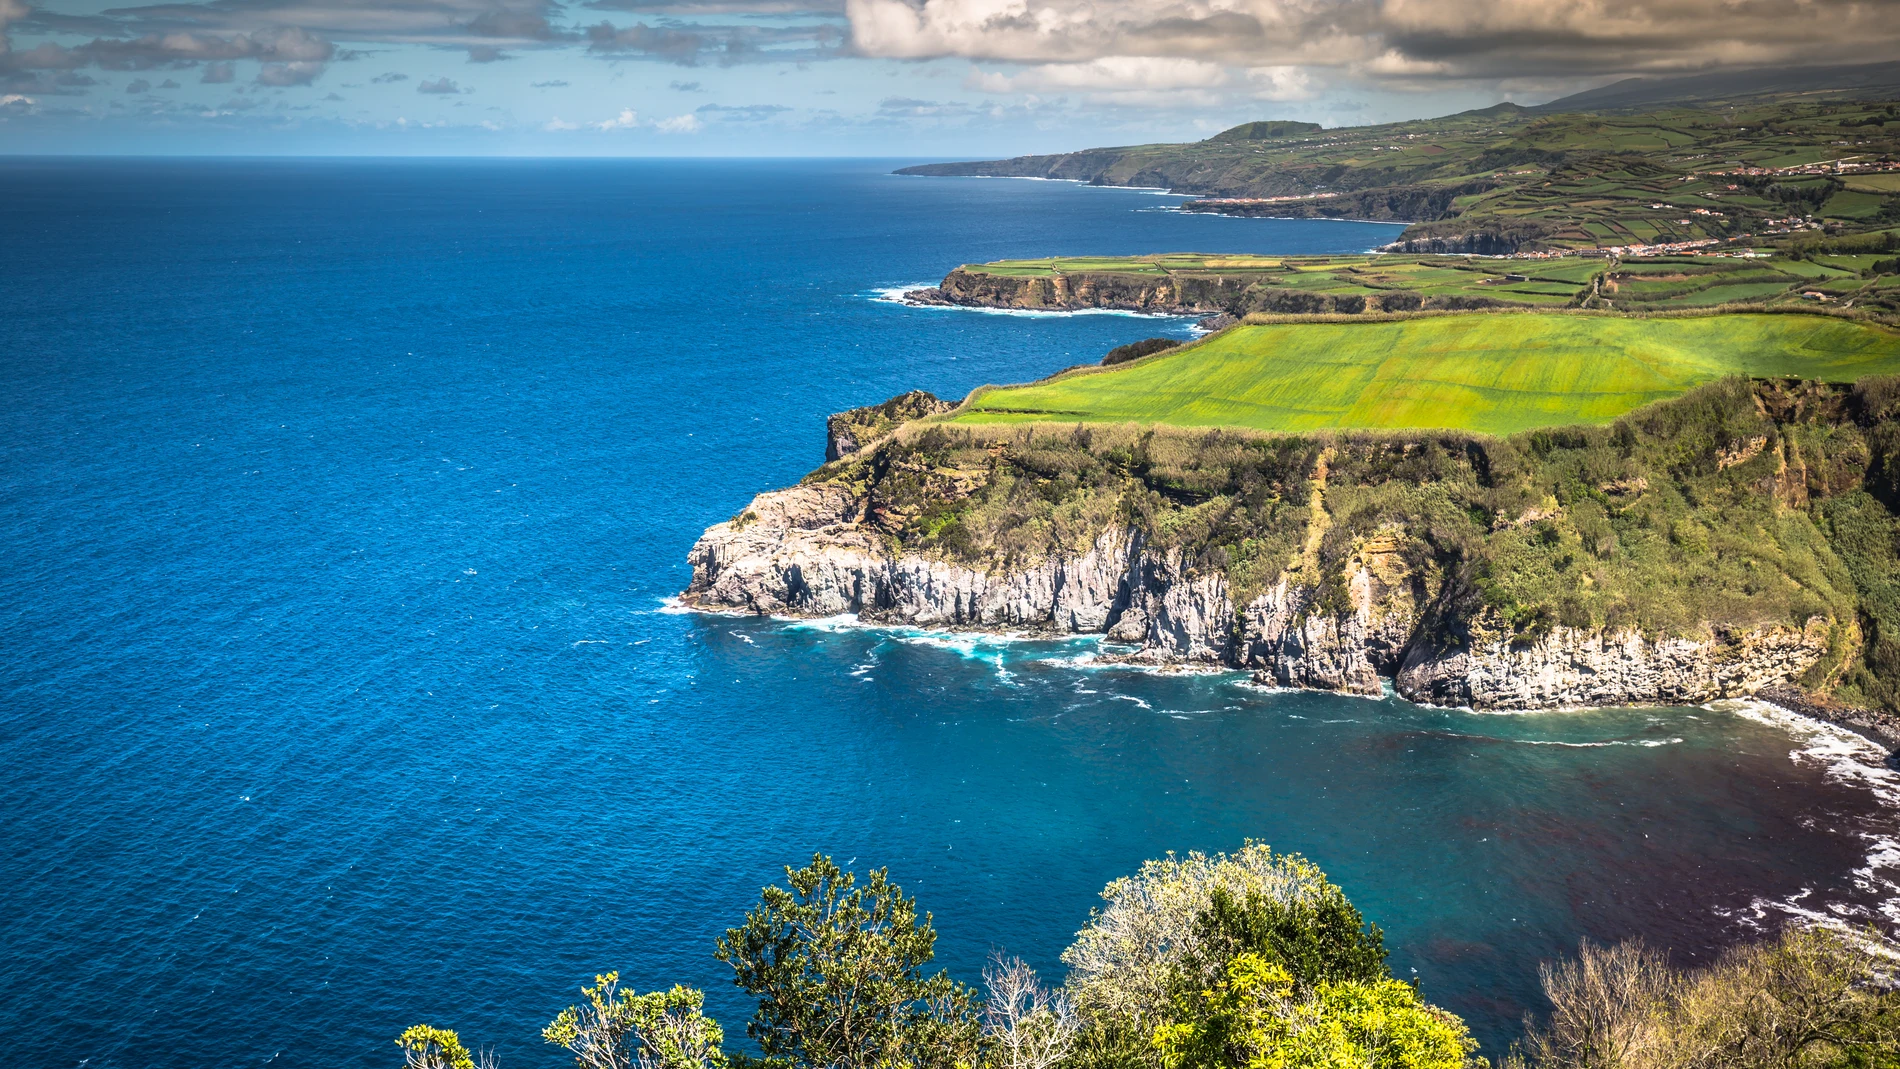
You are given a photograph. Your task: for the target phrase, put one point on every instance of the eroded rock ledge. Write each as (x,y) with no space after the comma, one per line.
(805,552)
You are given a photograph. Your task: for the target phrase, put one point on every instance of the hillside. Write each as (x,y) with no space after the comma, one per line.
(1490,374)
(1508,179)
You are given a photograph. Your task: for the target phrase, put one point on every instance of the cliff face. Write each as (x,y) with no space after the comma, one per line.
(1732,542)
(808,551)
(1171,294)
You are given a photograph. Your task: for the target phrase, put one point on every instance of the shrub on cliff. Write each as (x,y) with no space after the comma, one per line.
(427,1047)
(615,1029)
(1224,962)
(1135,350)
(1255,1015)
(838,971)
(1811,997)
(1245,959)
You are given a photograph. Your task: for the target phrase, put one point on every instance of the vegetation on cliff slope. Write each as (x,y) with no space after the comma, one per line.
(1867,280)
(1492,374)
(1740,504)
(1809,998)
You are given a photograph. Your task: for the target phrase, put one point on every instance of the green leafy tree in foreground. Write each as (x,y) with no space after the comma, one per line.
(427,1047)
(1256,1018)
(838,971)
(615,1029)
(1317,937)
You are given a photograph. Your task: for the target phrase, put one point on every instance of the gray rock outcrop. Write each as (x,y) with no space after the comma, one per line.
(808,551)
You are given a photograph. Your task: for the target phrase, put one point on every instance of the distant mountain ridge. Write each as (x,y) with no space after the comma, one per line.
(1600,169)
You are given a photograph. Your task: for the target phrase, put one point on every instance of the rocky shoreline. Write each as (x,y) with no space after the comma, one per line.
(1212,295)
(805,552)
(1457,571)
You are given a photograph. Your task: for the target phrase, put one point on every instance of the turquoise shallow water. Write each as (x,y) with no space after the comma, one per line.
(342,502)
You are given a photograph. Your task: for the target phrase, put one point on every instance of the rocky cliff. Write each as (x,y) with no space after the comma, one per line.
(1173,293)
(848,431)
(1441,565)
(807,551)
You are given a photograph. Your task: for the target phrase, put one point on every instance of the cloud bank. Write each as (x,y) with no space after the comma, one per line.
(1406,39)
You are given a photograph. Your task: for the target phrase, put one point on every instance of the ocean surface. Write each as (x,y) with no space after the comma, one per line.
(342,501)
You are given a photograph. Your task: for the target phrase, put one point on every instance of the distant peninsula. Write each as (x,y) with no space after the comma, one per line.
(1508,179)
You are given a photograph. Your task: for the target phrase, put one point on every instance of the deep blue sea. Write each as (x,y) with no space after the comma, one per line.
(341,500)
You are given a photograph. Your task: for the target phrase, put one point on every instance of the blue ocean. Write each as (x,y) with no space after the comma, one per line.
(342,502)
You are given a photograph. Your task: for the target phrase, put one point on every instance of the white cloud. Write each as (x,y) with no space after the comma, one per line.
(680,124)
(1280,83)
(1394,63)
(1486,39)
(626,120)
(558,124)
(1109,74)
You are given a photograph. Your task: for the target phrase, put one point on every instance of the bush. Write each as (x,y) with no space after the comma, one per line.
(1812,997)
(618,1029)
(1255,1016)
(1224,962)
(838,970)
(1121,354)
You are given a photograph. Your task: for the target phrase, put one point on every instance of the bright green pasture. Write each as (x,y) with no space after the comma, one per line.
(1494,373)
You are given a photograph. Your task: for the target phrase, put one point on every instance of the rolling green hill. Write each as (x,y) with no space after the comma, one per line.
(1509,179)
(1488,373)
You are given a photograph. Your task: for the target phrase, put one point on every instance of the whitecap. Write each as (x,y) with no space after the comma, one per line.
(1846,758)
(895,295)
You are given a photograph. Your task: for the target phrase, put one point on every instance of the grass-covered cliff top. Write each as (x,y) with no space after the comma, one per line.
(1485,373)
(1864,280)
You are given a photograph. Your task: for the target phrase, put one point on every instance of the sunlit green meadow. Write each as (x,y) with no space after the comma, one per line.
(1488,373)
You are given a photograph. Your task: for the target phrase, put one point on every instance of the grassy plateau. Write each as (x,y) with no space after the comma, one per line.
(1485,373)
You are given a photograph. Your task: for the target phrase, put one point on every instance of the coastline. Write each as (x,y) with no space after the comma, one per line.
(1860,723)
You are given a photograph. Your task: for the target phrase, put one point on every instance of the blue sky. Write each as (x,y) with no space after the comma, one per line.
(834,77)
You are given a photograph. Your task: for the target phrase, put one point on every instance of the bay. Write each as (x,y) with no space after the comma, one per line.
(342,502)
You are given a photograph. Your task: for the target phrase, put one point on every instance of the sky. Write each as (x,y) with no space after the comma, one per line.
(835,77)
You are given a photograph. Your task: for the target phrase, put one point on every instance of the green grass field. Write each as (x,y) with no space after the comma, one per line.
(1493,374)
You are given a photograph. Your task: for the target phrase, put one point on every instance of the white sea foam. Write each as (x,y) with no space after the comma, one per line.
(1847,758)
(1096,662)
(1563,742)
(895,295)
(1156,190)
(1249,683)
